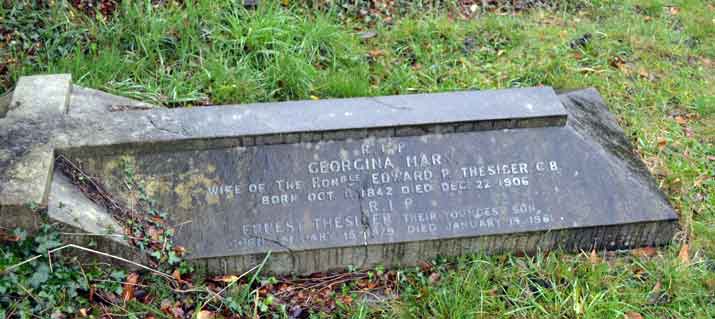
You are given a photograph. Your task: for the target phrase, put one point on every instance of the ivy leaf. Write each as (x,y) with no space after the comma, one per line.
(46,242)
(156,254)
(41,275)
(173,258)
(118,275)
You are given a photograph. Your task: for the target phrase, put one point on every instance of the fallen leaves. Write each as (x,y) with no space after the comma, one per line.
(375,53)
(684,254)
(424,266)
(647,75)
(176,274)
(647,251)
(657,296)
(617,62)
(681,120)
(172,308)
(180,250)
(662,143)
(205,314)
(155,233)
(632,315)
(226,278)
(347,300)
(5,237)
(129,286)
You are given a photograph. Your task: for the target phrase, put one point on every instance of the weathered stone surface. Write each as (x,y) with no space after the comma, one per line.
(572,186)
(26,156)
(41,95)
(390,180)
(28,141)
(85,223)
(71,207)
(90,102)
(4,103)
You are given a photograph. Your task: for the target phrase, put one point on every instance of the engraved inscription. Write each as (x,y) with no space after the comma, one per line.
(375,190)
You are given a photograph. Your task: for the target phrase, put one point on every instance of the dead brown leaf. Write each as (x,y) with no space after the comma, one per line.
(424,266)
(375,53)
(617,62)
(639,273)
(4,236)
(493,292)
(92,291)
(633,315)
(180,250)
(684,255)
(225,278)
(681,120)
(661,144)
(165,305)
(129,286)
(656,288)
(647,251)
(176,274)
(155,233)
(205,314)
(347,300)
(83,312)
(657,296)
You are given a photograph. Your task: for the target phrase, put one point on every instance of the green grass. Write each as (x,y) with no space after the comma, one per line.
(654,65)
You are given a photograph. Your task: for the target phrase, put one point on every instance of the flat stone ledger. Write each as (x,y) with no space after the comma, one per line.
(396,194)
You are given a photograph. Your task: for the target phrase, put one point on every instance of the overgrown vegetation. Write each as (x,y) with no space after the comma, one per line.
(651,60)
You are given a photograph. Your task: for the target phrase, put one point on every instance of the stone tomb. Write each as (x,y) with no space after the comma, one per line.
(332,183)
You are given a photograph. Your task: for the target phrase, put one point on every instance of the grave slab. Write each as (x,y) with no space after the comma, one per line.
(352,182)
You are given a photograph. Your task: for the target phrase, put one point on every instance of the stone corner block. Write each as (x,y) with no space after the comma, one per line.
(41,95)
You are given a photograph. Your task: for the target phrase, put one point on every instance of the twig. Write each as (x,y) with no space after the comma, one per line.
(165,275)
(119,282)
(28,292)
(255,306)
(99,189)
(340,279)
(256,267)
